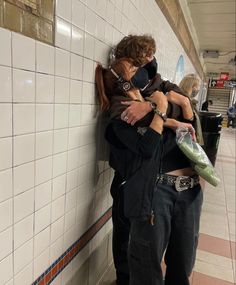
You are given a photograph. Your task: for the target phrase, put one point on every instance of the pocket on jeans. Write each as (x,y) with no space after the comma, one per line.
(140,262)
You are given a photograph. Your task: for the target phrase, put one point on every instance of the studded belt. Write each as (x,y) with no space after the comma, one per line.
(181,183)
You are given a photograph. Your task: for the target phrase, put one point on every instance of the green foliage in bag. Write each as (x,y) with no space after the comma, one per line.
(197,155)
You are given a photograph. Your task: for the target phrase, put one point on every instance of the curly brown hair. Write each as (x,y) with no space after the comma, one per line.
(136,47)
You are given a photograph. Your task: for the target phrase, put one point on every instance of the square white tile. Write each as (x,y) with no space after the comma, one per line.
(70,219)
(43,194)
(90,23)
(74,138)
(45,58)
(89,95)
(6,243)
(88,46)
(25,276)
(110,12)
(23,86)
(60,140)
(6,184)
(23,148)
(5,153)
(62,65)
(62,90)
(78,8)
(75,91)
(62,34)
(71,200)
(25,60)
(57,228)
(23,231)
(58,208)
(77,40)
(44,88)
(42,218)
(72,180)
(73,159)
(5,120)
(43,170)
(5,83)
(6,270)
(23,176)
(58,186)
(5,49)
(44,144)
(41,263)
(6,214)
(23,118)
(41,241)
(61,116)
(56,249)
(59,164)
(22,256)
(88,71)
(44,117)
(76,71)
(100,28)
(23,205)
(63,9)
(75,115)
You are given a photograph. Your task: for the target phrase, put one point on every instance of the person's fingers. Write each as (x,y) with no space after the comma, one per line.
(127,103)
(123,115)
(133,122)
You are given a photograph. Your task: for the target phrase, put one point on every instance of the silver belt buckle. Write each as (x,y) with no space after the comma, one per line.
(180,185)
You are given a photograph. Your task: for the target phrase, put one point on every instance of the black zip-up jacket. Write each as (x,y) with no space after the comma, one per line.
(135,157)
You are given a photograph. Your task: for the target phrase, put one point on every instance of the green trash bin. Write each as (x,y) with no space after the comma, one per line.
(211,127)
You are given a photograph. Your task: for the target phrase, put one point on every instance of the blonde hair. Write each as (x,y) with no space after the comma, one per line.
(188,82)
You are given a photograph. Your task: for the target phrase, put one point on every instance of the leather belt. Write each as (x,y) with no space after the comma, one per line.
(181,183)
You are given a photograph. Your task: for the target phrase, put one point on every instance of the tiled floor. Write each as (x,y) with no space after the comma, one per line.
(215,263)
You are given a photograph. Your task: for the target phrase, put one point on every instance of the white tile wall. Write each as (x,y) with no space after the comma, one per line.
(45,58)
(48,124)
(6,184)
(5,153)
(5,83)
(6,214)
(5,49)
(25,276)
(23,86)
(6,269)
(23,60)
(44,88)
(5,120)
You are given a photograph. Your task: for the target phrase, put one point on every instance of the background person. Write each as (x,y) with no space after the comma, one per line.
(231,113)
(190,85)
(206,104)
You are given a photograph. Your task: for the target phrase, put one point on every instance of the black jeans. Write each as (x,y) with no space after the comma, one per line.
(121,230)
(175,229)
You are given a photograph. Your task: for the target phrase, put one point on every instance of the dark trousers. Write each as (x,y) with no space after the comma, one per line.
(121,230)
(231,120)
(175,229)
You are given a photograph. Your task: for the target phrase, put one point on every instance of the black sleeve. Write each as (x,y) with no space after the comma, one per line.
(127,135)
(167,86)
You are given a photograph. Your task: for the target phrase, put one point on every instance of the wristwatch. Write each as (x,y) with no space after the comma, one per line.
(162,115)
(156,111)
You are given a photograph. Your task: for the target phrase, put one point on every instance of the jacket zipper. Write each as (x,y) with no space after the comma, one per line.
(152,214)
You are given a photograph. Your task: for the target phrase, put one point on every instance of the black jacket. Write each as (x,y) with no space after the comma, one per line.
(135,157)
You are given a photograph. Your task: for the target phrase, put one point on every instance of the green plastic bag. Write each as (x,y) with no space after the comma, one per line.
(197,155)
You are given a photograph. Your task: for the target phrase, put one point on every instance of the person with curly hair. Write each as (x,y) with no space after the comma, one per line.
(141,49)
